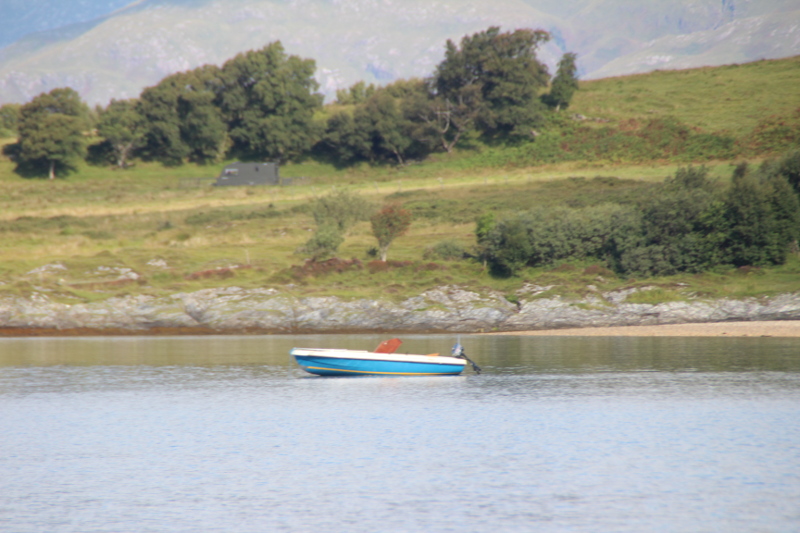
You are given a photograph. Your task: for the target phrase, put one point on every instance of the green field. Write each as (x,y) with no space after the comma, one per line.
(79,238)
(732,98)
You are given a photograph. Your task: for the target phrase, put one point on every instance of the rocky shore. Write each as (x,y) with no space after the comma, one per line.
(447,308)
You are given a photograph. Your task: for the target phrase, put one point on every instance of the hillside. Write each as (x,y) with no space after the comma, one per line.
(148,230)
(116,55)
(732,98)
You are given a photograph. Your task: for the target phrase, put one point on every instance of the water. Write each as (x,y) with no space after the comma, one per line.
(557,434)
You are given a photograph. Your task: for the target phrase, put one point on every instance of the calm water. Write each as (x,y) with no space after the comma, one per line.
(558,434)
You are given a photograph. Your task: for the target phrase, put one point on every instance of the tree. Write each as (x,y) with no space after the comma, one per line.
(202,127)
(764,217)
(434,121)
(683,228)
(9,116)
(268,101)
(789,167)
(183,121)
(356,94)
(381,117)
(497,77)
(484,225)
(565,83)
(390,124)
(345,140)
(390,222)
(121,124)
(508,244)
(51,130)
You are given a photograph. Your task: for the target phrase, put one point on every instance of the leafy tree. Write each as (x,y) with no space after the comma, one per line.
(9,116)
(268,100)
(789,167)
(382,118)
(123,127)
(390,222)
(51,130)
(202,127)
(508,245)
(565,83)
(435,122)
(494,79)
(389,125)
(346,140)
(764,216)
(484,225)
(683,228)
(358,93)
(182,119)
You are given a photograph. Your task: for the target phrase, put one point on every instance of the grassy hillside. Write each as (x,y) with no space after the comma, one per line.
(149,229)
(732,98)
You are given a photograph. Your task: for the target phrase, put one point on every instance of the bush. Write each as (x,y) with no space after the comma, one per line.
(324,243)
(545,236)
(688,224)
(340,209)
(448,250)
(775,133)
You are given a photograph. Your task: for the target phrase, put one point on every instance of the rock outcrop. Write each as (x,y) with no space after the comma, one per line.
(448,308)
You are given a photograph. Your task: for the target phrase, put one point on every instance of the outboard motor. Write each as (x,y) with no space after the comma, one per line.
(458,351)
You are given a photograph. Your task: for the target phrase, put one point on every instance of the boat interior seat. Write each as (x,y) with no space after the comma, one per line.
(388,346)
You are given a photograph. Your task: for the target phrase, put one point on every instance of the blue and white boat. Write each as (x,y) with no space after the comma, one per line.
(381,362)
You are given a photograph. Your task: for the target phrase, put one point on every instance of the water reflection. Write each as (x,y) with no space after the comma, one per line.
(557,434)
(496,354)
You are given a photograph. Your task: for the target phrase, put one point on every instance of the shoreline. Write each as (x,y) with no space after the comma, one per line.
(769,328)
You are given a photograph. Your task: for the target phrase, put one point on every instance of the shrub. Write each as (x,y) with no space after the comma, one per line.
(448,250)
(775,133)
(545,236)
(340,209)
(324,243)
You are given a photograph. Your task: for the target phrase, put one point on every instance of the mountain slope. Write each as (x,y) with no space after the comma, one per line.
(115,56)
(768,36)
(22,17)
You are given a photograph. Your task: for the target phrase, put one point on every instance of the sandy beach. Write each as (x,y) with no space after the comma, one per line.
(778,328)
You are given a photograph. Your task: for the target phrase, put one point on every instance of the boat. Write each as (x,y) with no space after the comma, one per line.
(381,362)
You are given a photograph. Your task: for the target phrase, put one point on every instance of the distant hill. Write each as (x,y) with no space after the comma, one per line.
(22,17)
(114,54)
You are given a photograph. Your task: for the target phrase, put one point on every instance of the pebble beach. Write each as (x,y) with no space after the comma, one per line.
(775,328)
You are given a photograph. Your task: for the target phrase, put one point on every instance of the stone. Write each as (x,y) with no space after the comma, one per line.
(446,308)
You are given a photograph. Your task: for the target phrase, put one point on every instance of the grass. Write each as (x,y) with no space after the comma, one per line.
(177,237)
(732,98)
(185,239)
(254,251)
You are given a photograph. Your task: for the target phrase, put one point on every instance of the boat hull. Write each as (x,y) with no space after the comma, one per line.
(356,363)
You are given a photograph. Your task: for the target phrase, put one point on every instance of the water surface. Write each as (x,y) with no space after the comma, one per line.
(557,434)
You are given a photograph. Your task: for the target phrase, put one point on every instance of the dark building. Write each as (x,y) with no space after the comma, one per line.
(249,174)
